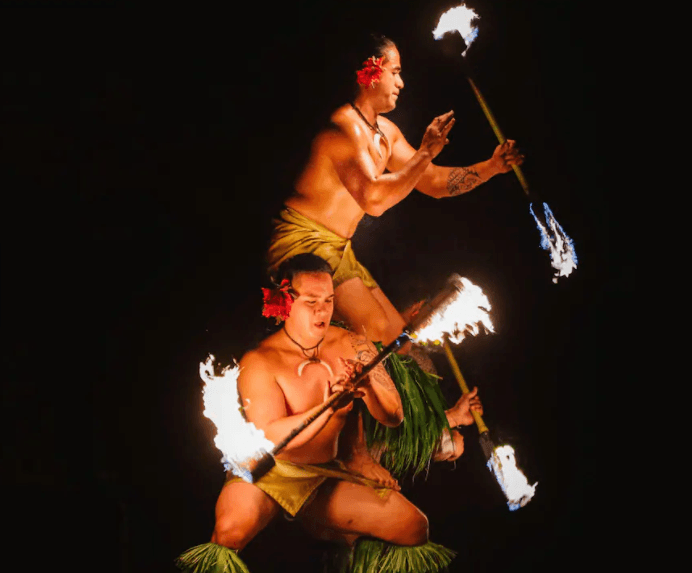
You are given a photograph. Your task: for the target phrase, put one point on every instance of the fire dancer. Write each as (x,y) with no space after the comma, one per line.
(363,164)
(281,383)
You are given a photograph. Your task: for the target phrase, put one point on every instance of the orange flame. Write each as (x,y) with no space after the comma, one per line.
(466,313)
(239,441)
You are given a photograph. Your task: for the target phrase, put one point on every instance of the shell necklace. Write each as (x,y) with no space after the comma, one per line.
(311,359)
(379,134)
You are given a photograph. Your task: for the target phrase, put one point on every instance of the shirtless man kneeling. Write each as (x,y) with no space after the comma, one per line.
(281,383)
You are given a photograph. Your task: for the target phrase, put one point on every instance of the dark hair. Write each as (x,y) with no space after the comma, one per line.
(372,45)
(303,263)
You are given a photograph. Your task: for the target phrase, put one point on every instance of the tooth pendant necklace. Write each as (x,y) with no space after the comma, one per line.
(311,359)
(379,134)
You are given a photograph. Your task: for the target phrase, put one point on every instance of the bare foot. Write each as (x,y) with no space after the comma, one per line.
(363,464)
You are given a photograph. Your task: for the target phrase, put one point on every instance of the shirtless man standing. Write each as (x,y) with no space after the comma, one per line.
(283,382)
(363,164)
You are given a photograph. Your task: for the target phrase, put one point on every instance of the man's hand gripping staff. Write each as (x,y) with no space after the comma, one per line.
(350,388)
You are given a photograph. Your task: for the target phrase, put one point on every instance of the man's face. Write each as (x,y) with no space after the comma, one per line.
(313,306)
(390,83)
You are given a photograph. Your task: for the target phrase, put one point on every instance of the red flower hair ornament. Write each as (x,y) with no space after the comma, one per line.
(371,71)
(277,301)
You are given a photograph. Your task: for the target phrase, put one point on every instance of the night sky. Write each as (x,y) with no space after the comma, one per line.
(146,156)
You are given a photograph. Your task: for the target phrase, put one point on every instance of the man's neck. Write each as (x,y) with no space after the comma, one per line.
(297,341)
(367,109)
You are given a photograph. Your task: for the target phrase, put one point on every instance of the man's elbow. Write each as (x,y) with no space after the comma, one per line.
(374,211)
(374,206)
(372,199)
(394,419)
(434,191)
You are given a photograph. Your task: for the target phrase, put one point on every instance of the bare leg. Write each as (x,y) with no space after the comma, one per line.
(242,511)
(346,511)
(368,311)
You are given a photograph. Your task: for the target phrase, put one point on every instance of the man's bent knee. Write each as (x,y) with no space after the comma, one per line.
(409,529)
(232,533)
(381,330)
(416,532)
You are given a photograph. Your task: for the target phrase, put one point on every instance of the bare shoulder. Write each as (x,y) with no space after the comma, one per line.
(338,135)
(337,335)
(340,339)
(258,366)
(344,117)
(363,349)
(365,352)
(346,123)
(254,359)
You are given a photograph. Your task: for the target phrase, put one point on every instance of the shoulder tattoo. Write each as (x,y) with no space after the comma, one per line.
(365,352)
(462,179)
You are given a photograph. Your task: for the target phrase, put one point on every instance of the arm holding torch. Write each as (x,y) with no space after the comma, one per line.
(265,404)
(379,393)
(440,181)
(553,238)
(337,400)
(467,410)
(359,376)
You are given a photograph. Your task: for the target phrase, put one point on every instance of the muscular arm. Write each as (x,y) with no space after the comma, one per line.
(381,396)
(373,190)
(265,405)
(440,182)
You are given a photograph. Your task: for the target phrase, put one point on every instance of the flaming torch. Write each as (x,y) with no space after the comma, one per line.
(241,443)
(454,297)
(553,238)
(500,459)
(459,308)
(446,328)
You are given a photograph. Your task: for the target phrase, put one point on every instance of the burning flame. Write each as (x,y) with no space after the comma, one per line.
(239,441)
(513,483)
(464,314)
(562,255)
(458,19)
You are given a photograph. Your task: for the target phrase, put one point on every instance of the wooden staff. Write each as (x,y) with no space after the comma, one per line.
(486,443)
(423,317)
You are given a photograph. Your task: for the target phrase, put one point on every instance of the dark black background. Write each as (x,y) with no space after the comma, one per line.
(147,151)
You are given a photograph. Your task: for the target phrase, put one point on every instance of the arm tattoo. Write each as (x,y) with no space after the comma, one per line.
(364,354)
(462,179)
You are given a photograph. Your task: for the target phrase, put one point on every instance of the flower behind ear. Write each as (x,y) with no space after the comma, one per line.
(277,301)
(371,72)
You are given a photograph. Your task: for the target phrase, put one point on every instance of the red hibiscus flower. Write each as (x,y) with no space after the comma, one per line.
(277,301)
(371,72)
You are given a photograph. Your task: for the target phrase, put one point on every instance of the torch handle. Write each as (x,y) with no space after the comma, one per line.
(355,380)
(418,321)
(498,132)
(482,428)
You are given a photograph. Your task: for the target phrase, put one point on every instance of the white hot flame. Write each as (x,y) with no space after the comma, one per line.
(562,255)
(512,481)
(465,314)
(239,441)
(458,19)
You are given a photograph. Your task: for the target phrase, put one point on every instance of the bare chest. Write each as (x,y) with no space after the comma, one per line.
(378,147)
(306,384)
